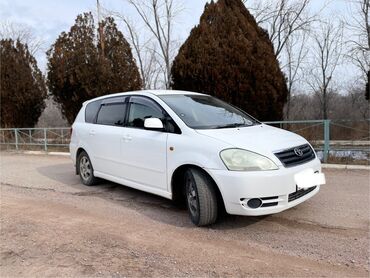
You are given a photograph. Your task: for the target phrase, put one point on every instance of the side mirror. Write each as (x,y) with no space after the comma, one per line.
(153,123)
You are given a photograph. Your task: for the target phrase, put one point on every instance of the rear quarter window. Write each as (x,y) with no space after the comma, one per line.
(91,110)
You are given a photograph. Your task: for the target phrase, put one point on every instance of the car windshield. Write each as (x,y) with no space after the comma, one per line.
(206,112)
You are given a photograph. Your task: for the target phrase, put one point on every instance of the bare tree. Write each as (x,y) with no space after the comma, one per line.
(282,19)
(351,106)
(100,29)
(327,51)
(296,53)
(52,115)
(356,102)
(158,16)
(143,46)
(288,23)
(145,53)
(23,33)
(359,42)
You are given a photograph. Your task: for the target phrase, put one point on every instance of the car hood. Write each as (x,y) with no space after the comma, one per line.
(262,139)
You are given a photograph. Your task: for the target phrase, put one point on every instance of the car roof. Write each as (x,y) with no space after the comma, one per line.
(146,93)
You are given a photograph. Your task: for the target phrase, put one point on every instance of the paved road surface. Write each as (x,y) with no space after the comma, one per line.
(52,225)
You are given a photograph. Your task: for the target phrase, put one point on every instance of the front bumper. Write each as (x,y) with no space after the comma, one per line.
(272,187)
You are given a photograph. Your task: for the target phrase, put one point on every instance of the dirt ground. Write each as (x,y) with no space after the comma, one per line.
(51,225)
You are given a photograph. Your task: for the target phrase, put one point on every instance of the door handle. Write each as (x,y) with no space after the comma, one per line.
(127,138)
(92,132)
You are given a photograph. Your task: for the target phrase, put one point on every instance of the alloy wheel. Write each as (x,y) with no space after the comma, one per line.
(85,168)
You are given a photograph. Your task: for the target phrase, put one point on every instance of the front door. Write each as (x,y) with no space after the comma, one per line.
(143,152)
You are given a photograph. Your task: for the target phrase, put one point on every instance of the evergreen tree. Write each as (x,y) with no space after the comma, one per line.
(227,55)
(84,64)
(22,89)
(116,63)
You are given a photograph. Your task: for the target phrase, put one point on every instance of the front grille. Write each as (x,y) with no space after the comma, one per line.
(300,193)
(290,158)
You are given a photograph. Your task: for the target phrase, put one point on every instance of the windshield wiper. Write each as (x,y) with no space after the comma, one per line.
(232,125)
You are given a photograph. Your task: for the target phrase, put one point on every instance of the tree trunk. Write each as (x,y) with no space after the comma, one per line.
(325,105)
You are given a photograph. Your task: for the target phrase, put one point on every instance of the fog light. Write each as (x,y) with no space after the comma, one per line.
(254,203)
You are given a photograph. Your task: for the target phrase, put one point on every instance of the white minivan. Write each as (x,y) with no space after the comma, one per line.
(196,148)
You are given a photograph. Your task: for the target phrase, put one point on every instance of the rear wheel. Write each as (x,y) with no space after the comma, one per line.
(86,169)
(201,197)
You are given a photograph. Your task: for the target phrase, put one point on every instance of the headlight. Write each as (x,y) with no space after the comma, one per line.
(242,160)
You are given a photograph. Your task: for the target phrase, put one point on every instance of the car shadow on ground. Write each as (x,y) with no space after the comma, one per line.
(152,206)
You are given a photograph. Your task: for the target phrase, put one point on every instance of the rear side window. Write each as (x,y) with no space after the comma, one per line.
(91,110)
(112,114)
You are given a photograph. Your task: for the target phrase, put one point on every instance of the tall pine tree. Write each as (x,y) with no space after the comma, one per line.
(85,63)
(227,55)
(22,86)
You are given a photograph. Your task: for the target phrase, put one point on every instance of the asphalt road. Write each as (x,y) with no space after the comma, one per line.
(51,225)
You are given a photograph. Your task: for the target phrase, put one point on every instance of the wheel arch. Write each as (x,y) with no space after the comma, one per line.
(178,189)
(79,150)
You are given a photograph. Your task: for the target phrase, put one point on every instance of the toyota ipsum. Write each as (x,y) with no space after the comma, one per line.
(193,148)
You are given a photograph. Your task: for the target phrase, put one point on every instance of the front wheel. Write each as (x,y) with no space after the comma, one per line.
(86,169)
(201,197)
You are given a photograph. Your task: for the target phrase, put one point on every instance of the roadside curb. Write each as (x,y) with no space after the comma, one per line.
(342,166)
(45,153)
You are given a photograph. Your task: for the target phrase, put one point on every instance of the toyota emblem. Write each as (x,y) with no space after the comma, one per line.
(298,152)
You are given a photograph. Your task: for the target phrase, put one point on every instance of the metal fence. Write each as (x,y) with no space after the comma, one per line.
(47,139)
(332,139)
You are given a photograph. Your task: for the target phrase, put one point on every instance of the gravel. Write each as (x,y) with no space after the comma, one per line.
(52,225)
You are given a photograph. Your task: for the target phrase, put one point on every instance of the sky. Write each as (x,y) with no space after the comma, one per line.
(49,18)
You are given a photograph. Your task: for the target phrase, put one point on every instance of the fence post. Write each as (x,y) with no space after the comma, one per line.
(45,140)
(16,138)
(326,139)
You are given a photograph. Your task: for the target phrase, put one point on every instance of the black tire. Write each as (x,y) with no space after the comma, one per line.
(85,169)
(201,197)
